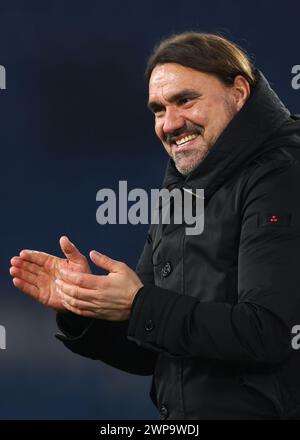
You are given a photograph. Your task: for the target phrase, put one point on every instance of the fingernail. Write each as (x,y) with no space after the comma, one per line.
(96,252)
(31,251)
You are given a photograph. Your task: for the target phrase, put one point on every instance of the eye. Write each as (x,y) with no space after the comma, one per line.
(186,100)
(157,111)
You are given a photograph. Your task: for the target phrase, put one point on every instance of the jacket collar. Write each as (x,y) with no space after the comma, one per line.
(244,138)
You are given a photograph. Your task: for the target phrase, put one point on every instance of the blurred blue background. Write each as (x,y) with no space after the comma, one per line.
(73,120)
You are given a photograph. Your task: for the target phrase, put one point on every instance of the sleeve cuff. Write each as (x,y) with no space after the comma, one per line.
(153,313)
(72,326)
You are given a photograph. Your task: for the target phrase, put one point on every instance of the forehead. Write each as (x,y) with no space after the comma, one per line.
(170,78)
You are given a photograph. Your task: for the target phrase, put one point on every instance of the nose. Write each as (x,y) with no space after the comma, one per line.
(172,120)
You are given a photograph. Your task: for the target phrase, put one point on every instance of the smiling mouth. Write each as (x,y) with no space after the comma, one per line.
(185,139)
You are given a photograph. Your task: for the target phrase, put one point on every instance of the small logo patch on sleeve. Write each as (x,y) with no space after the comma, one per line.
(274,219)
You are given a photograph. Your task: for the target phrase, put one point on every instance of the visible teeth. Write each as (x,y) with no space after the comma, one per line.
(190,137)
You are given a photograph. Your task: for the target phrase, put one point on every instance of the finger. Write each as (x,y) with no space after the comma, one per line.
(24,275)
(77,303)
(26,287)
(110,315)
(105,262)
(86,313)
(84,280)
(75,291)
(70,250)
(23,264)
(34,256)
(106,302)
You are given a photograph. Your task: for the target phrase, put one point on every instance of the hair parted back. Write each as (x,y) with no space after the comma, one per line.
(205,52)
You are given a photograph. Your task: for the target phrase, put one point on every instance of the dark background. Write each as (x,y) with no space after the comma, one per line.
(73,120)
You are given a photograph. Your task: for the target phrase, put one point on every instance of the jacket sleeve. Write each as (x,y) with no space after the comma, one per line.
(258,328)
(107,340)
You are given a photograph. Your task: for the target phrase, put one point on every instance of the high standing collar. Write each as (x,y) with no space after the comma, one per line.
(244,138)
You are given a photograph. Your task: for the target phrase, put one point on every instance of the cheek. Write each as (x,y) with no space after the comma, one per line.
(198,116)
(158,127)
(212,117)
(160,134)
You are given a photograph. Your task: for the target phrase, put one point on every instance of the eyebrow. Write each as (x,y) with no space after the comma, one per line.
(185,93)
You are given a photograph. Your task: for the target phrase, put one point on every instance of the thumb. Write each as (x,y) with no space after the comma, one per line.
(105,262)
(70,250)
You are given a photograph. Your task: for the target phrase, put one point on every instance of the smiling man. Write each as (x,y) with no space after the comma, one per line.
(185,103)
(210,316)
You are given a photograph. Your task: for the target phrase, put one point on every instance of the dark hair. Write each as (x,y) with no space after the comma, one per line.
(209,53)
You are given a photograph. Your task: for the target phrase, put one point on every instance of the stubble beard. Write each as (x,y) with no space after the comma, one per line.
(195,157)
(198,155)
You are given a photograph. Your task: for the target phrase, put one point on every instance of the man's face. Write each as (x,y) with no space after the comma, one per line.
(191,110)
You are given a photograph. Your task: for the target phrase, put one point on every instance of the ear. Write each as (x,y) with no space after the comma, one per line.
(241,91)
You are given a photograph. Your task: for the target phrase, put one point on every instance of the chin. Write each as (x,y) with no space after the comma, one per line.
(187,168)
